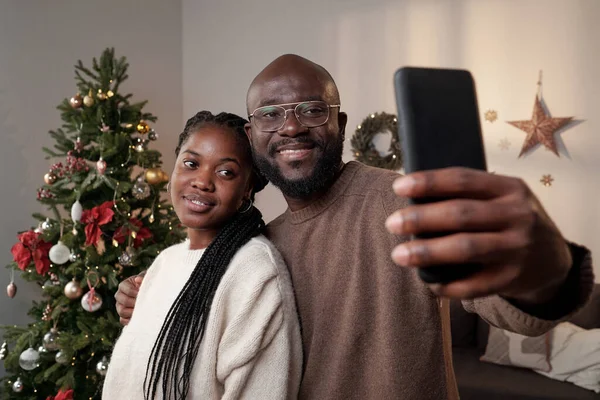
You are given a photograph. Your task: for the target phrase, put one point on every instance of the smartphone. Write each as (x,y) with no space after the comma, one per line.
(439,127)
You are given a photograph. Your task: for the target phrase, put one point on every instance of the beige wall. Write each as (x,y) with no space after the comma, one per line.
(39,44)
(503,42)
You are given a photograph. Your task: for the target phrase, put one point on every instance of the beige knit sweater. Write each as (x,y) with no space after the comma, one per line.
(251,347)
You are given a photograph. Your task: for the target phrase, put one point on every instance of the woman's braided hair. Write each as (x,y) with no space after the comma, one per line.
(176,348)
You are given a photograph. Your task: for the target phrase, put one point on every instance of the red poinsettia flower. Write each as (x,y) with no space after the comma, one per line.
(66,395)
(94,218)
(142,233)
(31,247)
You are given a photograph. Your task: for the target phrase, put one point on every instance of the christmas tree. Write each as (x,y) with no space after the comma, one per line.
(106,221)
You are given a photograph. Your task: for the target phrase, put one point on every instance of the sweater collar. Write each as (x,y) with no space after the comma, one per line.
(334,192)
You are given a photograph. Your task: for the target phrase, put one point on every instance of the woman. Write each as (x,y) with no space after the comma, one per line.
(215,317)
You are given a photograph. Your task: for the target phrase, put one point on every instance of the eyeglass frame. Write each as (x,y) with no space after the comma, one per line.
(285,115)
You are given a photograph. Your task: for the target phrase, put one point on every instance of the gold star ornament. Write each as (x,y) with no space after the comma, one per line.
(547,180)
(491,116)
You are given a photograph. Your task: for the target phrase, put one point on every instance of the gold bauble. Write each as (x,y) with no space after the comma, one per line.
(153,176)
(100,95)
(143,128)
(73,290)
(76,101)
(88,100)
(164,176)
(49,178)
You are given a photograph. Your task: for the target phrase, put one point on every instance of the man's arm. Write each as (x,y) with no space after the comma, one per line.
(126,296)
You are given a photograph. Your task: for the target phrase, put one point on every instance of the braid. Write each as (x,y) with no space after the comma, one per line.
(176,348)
(178,343)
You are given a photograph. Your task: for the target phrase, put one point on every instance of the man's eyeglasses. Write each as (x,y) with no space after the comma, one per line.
(308,113)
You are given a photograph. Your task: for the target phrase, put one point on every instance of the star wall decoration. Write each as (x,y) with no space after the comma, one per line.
(540,129)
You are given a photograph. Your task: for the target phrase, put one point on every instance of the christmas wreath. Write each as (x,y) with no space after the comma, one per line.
(362,142)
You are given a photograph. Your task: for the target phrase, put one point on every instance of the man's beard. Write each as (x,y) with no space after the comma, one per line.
(323,174)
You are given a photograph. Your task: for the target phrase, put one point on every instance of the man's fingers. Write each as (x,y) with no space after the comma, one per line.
(128,287)
(124,300)
(456,182)
(459,248)
(460,215)
(492,279)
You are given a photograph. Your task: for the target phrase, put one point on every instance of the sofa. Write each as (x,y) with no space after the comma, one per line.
(478,380)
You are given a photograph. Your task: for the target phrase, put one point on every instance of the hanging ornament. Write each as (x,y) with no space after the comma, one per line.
(163,176)
(101,166)
(50,340)
(47,224)
(91,301)
(59,253)
(3,351)
(76,211)
(29,359)
(126,258)
(39,228)
(73,257)
(141,146)
(88,100)
(76,101)
(42,350)
(18,385)
(50,178)
(142,128)
(541,128)
(154,176)
(47,314)
(78,145)
(102,366)
(110,93)
(152,135)
(101,96)
(141,189)
(61,358)
(73,290)
(11,290)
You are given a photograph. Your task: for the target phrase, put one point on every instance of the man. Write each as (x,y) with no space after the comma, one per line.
(371,328)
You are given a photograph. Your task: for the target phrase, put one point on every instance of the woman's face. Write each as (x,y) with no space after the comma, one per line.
(210,180)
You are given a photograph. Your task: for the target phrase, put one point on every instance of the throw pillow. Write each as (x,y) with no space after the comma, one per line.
(575,356)
(512,349)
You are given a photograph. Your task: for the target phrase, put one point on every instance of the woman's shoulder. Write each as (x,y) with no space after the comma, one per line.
(257,263)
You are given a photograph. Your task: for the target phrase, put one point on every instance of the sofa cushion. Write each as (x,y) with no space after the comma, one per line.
(478,380)
(589,316)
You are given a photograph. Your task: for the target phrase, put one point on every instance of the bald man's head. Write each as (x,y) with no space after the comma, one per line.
(290,68)
(299,157)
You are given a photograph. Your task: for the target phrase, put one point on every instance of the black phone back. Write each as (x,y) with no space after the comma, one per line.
(439,127)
